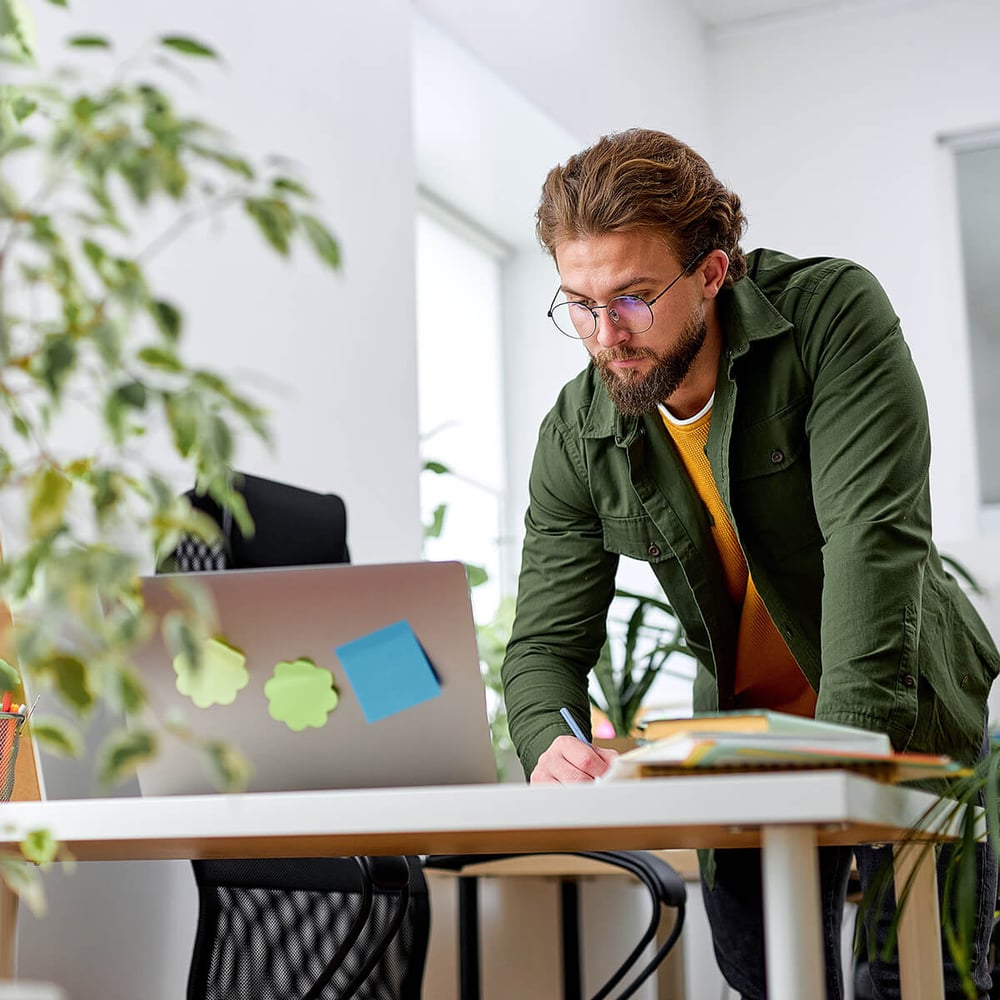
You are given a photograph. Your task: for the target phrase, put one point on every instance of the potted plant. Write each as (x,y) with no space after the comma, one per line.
(647,642)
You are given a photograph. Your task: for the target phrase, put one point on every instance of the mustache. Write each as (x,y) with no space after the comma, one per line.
(623,353)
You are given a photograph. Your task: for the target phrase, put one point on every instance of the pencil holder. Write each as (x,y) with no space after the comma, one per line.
(11,724)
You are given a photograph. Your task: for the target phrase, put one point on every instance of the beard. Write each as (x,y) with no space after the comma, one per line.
(635,393)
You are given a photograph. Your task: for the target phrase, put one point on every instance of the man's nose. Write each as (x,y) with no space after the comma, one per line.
(609,335)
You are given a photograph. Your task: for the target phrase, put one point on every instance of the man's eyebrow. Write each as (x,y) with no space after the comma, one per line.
(631,283)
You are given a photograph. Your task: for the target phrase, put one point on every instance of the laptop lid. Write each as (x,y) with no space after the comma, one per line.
(400,643)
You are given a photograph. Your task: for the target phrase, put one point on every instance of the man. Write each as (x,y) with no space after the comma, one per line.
(754,428)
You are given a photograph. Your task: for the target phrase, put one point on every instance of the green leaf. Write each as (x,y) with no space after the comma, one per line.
(10,679)
(437,468)
(183,424)
(274,220)
(321,240)
(24,879)
(17,25)
(234,164)
(88,42)
(187,46)
(132,394)
(56,360)
(23,107)
(477,575)
(167,318)
(70,677)
(49,496)
(123,753)
(290,186)
(434,529)
(229,768)
(160,358)
(221,438)
(130,695)
(58,3)
(40,847)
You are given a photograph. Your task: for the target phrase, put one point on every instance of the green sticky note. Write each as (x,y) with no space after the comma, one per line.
(300,694)
(217,679)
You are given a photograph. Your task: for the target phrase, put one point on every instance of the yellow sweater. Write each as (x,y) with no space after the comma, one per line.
(767,675)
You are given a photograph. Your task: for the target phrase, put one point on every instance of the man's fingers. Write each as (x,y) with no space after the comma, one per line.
(569,760)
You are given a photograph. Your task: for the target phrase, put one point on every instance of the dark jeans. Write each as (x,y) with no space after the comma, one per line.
(735,913)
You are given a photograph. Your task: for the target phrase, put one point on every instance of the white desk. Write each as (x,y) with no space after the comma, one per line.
(787,814)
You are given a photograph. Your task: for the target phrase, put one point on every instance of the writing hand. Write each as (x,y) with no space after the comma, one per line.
(569,760)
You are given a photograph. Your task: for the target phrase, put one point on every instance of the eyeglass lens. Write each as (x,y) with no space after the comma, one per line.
(627,312)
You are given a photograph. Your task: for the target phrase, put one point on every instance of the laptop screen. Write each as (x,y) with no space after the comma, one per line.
(339,676)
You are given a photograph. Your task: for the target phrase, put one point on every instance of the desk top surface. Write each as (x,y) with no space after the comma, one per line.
(709,811)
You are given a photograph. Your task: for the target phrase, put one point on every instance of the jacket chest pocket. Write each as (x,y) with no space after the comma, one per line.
(772,493)
(636,538)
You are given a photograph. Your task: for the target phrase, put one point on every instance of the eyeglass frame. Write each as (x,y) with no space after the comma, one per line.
(648,303)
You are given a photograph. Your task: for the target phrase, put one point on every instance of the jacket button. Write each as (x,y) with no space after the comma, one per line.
(964,682)
(777,456)
(909,680)
(653,550)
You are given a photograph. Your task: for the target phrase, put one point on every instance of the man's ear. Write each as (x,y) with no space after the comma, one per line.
(713,269)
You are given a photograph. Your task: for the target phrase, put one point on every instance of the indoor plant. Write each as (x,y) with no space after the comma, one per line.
(98,176)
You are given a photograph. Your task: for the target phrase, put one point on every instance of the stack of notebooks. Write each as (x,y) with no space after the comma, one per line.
(761,740)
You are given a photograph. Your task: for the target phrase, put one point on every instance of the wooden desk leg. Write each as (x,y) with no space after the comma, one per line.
(8,930)
(793,932)
(921,975)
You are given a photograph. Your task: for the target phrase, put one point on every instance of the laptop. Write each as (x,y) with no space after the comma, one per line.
(399,641)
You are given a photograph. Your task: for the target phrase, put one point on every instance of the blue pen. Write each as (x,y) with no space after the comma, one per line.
(571,722)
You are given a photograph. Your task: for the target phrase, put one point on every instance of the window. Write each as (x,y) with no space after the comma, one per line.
(459,378)
(977,167)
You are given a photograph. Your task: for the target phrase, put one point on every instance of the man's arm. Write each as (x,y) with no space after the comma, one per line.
(565,588)
(869,444)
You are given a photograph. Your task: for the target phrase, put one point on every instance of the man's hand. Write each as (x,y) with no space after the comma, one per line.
(569,760)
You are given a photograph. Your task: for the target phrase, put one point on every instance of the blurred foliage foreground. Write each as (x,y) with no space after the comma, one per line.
(100,171)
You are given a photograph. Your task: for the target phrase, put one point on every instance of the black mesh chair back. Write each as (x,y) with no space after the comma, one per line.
(299,928)
(293,527)
(310,929)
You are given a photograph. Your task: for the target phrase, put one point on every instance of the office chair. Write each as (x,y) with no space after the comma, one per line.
(310,929)
(299,928)
(256,915)
(664,886)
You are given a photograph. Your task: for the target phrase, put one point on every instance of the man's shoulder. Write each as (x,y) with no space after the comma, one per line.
(777,274)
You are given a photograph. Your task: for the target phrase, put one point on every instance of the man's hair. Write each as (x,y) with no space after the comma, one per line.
(644,181)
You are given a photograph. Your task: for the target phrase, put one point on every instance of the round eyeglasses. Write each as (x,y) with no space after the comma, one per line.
(630,313)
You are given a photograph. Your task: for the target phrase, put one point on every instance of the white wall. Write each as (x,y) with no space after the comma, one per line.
(828,126)
(326,85)
(329,85)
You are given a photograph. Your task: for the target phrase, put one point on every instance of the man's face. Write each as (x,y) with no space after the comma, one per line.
(639,370)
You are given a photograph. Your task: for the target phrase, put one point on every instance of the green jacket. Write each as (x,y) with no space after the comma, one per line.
(820,447)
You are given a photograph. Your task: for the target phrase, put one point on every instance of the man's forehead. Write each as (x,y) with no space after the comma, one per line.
(617,257)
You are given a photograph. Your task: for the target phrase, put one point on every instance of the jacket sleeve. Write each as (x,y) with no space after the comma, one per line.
(869,444)
(565,587)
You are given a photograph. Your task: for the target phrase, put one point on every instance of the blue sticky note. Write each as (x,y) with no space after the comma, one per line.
(388,671)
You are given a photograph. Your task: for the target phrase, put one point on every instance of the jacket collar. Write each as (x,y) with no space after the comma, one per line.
(746,315)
